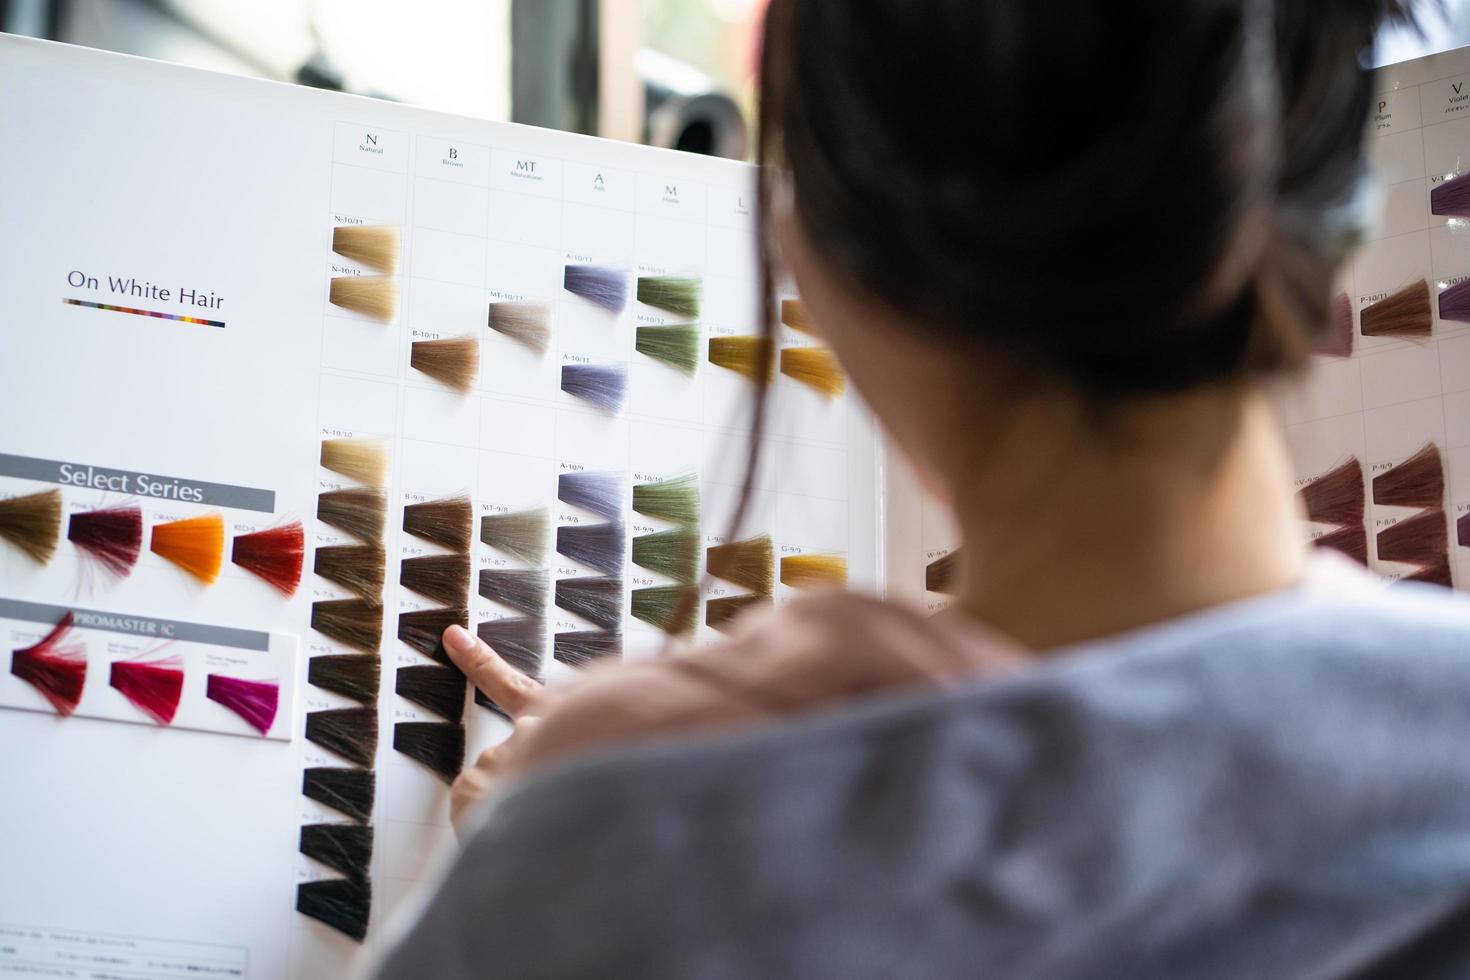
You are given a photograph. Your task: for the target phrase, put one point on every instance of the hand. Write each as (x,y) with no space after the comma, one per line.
(522,698)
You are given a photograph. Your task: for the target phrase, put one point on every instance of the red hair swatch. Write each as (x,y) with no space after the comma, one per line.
(154,686)
(112,535)
(274,554)
(54,667)
(255,701)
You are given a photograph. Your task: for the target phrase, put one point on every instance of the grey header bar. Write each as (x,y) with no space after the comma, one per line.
(163,629)
(137,484)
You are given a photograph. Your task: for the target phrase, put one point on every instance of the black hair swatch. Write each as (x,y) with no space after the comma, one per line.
(341,903)
(438,745)
(352,675)
(344,847)
(352,733)
(345,790)
(440,689)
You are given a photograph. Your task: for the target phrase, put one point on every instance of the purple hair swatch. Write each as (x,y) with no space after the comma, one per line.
(1454,303)
(601,493)
(1462,530)
(1452,198)
(600,284)
(604,385)
(255,701)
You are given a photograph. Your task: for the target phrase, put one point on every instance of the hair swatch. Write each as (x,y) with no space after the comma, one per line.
(442,578)
(359,568)
(255,701)
(341,903)
(1351,541)
(1416,482)
(343,847)
(675,499)
(813,571)
(352,733)
(520,534)
(1436,574)
(603,385)
(113,536)
(1454,303)
(32,523)
(363,460)
(597,599)
(440,689)
(583,648)
(1419,540)
(597,492)
(815,367)
(423,629)
(676,345)
(721,613)
(1406,313)
(528,324)
(275,554)
(195,544)
(55,667)
(375,297)
(153,686)
(353,675)
(598,546)
(356,623)
(520,641)
(749,563)
(678,295)
(793,314)
(523,590)
(360,511)
(1462,530)
(448,522)
(438,745)
(939,574)
(345,790)
(748,355)
(375,246)
(1340,340)
(674,609)
(452,361)
(1337,496)
(1451,199)
(673,553)
(604,286)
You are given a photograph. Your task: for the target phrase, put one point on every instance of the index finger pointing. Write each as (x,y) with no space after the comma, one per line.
(488,671)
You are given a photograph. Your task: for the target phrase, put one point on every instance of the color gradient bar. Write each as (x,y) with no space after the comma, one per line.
(153,313)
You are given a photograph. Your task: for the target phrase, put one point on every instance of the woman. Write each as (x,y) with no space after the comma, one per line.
(1062,253)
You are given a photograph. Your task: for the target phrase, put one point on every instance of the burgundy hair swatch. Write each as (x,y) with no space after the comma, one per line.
(1416,482)
(1419,540)
(1351,541)
(1451,199)
(1337,496)
(154,686)
(1436,574)
(1454,303)
(54,667)
(1406,313)
(255,701)
(275,554)
(112,535)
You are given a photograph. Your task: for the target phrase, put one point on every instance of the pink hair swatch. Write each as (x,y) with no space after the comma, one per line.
(255,701)
(154,687)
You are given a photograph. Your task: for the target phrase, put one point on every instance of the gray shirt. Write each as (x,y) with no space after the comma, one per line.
(1275,788)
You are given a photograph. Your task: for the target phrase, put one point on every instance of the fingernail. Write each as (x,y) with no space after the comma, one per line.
(458,639)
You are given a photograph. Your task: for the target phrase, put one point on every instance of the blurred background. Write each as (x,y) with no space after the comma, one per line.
(674,73)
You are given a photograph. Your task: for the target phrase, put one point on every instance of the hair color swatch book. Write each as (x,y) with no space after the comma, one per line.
(348,372)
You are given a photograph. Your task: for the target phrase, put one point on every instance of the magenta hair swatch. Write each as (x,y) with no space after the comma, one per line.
(153,686)
(112,535)
(54,667)
(255,701)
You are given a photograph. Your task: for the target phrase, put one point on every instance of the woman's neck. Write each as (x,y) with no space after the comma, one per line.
(1184,504)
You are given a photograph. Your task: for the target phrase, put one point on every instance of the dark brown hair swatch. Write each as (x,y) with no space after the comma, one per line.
(346,790)
(359,568)
(1419,540)
(524,590)
(352,733)
(448,522)
(356,623)
(1407,313)
(440,689)
(442,578)
(520,641)
(1340,340)
(353,675)
(1337,496)
(344,847)
(32,523)
(1416,482)
(939,574)
(438,745)
(595,598)
(720,613)
(341,903)
(582,648)
(1351,541)
(360,511)
(423,629)
(750,563)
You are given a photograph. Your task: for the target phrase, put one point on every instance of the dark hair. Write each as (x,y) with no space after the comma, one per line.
(1128,198)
